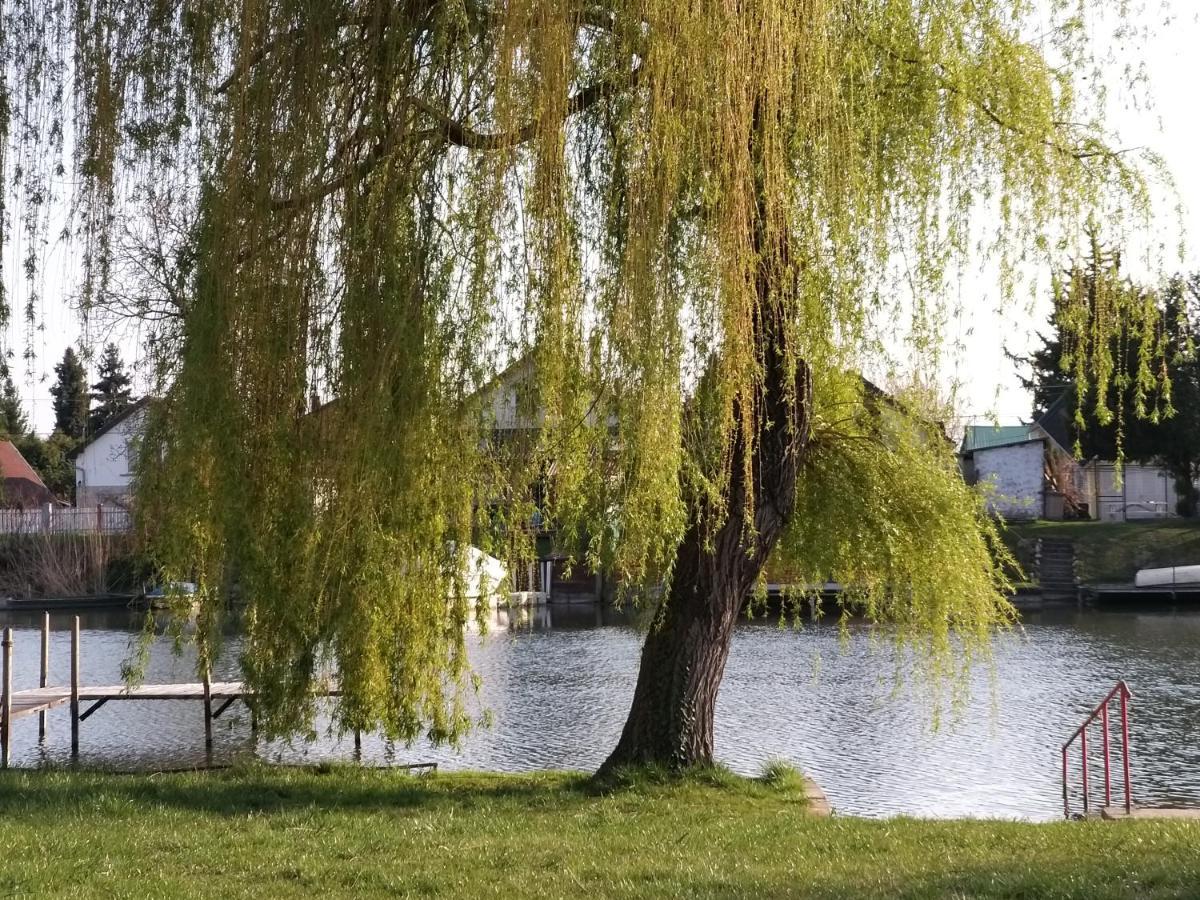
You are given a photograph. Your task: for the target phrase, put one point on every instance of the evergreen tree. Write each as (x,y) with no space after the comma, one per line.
(52,458)
(112,392)
(13,420)
(1165,434)
(70,392)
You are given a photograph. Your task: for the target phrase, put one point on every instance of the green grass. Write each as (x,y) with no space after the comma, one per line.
(1114,551)
(345,832)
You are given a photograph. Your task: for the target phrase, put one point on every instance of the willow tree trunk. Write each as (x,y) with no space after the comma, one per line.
(720,557)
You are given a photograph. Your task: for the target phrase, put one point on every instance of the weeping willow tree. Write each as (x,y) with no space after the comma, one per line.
(687,227)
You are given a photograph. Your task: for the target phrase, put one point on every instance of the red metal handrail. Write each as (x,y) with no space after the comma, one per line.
(1120,691)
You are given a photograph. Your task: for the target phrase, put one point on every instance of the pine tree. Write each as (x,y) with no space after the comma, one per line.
(1157,435)
(112,393)
(70,396)
(13,420)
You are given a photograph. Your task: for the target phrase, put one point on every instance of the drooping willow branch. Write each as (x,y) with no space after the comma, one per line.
(947,83)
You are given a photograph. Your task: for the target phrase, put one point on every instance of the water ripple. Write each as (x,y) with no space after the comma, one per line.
(558,696)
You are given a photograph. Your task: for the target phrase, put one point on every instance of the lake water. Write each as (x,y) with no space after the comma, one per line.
(558,683)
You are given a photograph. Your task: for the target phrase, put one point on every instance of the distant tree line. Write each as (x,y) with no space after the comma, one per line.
(1133,421)
(80,412)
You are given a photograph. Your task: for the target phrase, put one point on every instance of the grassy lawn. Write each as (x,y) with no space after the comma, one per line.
(346,832)
(1114,551)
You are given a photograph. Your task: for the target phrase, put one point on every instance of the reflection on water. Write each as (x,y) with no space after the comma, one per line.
(558,684)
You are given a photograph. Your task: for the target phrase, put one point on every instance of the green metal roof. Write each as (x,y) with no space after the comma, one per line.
(980,437)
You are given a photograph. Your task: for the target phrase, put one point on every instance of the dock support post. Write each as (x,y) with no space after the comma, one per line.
(75,687)
(6,713)
(45,673)
(208,716)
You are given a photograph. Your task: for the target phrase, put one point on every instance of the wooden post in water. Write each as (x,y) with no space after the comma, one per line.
(6,713)
(45,673)
(75,687)
(208,740)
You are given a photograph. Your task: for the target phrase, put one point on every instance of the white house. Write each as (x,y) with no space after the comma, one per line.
(103,469)
(1014,461)
(1032,476)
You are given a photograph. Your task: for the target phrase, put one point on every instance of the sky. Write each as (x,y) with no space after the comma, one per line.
(990,388)
(1171,128)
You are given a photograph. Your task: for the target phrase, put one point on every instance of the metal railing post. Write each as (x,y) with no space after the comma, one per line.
(1083,745)
(1107,775)
(1066,797)
(1125,748)
(1100,712)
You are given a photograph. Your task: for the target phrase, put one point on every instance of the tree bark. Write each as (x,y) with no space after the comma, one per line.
(671,719)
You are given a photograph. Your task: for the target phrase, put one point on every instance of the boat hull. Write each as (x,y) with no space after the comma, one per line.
(1167,577)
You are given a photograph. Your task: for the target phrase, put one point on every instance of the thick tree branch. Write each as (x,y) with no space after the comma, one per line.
(456,134)
(250,61)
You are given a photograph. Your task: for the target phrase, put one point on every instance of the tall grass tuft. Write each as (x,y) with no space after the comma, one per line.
(66,565)
(781,775)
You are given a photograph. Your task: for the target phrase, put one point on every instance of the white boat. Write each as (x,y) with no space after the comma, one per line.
(1167,577)
(486,577)
(172,590)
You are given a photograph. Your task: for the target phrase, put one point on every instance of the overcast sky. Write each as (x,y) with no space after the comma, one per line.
(990,385)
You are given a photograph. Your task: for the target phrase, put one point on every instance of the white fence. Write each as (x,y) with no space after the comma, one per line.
(65,520)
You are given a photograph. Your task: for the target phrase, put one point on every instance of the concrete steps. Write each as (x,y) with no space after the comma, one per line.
(1115,813)
(1056,567)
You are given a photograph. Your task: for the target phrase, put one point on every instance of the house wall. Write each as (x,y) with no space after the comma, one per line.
(1016,476)
(1144,492)
(102,470)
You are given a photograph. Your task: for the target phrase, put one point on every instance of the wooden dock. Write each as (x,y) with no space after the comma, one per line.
(38,701)
(35,700)
(1130,593)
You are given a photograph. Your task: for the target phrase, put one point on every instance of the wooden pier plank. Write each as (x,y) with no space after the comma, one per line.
(26,703)
(183,691)
(34,700)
